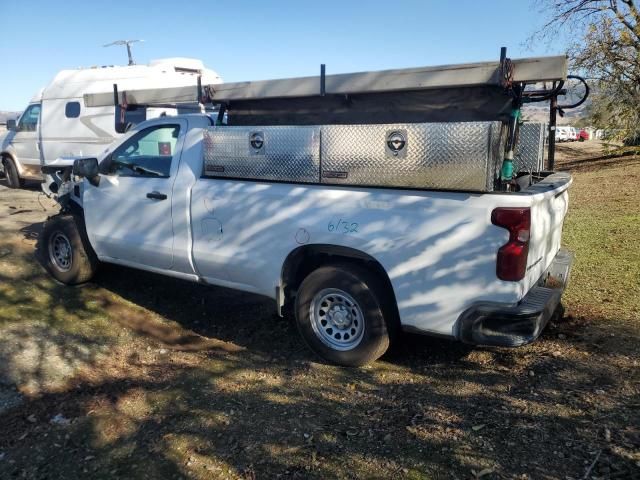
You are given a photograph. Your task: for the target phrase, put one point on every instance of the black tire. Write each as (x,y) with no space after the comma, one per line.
(365,289)
(11,174)
(60,233)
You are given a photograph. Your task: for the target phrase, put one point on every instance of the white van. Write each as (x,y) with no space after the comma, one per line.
(57,123)
(564,134)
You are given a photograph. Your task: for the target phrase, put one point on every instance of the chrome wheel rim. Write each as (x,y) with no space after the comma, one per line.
(337,319)
(60,251)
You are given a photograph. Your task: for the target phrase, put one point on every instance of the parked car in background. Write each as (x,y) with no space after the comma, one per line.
(57,123)
(583,135)
(563,134)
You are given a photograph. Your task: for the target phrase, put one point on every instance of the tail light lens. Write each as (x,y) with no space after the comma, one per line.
(512,256)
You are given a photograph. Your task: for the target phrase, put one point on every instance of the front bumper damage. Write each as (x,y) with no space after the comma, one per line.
(512,325)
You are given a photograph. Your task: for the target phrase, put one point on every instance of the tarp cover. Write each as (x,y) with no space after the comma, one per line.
(467,104)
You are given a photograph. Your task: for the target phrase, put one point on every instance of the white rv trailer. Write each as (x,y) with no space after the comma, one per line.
(57,123)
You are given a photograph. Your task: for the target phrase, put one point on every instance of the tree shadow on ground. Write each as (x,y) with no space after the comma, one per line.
(202,382)
(243,319)
(239,414)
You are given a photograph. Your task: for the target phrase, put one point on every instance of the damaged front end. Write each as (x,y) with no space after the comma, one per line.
(60,184)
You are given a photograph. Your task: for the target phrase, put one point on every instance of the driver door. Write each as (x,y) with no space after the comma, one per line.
(128,215)
(25,140)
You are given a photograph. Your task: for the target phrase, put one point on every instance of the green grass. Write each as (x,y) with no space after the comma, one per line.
(603,229)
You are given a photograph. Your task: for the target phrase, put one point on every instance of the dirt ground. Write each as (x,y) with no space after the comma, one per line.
(139,376)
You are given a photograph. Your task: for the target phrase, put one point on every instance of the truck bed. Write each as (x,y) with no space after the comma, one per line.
(438,248)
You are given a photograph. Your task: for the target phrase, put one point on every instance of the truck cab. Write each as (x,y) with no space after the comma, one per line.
(138,174)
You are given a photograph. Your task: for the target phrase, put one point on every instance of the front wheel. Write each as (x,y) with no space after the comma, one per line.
(11,173)
(340,314)
(65,251)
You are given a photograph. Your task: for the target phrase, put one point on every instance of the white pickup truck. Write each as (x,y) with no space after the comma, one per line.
(358,263)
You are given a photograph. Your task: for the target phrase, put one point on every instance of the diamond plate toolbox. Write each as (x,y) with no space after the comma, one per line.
(263,153)
(450,156)
(529,151)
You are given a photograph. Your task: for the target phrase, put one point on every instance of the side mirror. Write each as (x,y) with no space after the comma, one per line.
(87,168)
(11,125)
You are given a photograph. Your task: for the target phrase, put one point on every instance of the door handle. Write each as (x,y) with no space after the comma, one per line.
(156,195)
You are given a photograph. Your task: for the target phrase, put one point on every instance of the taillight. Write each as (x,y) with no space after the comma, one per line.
(512,256)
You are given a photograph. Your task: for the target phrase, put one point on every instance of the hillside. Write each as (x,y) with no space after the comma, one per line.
(540,113)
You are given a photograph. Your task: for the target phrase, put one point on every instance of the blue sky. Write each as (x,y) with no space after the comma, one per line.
(251,40)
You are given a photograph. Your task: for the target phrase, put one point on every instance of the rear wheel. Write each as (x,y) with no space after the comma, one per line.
(340,314)
(11,173)
(64,249)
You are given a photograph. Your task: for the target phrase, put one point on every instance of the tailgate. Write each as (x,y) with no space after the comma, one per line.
(548,209)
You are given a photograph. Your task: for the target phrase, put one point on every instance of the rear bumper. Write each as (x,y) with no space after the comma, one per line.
(508,325)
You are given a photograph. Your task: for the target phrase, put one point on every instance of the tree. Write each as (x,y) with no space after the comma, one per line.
(607,51)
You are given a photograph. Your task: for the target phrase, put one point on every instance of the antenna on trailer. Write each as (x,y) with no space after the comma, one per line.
(128,44)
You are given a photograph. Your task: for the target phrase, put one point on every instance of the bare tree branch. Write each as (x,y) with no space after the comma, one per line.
(606,48)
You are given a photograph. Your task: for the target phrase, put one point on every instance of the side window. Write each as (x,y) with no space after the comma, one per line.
(72,110)
(29,119)
(146,154)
